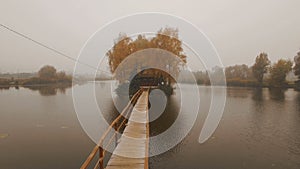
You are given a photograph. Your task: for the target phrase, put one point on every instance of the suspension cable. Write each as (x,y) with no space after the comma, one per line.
(50,48)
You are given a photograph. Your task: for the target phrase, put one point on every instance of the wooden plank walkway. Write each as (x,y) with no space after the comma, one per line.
(132,150)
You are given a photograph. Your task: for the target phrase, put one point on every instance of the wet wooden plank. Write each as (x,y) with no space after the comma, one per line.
(131,151)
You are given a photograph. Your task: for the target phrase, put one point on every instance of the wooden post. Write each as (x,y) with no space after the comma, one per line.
(101,158)
(116,134)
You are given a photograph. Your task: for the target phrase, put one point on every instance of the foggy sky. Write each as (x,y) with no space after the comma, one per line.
(239,29)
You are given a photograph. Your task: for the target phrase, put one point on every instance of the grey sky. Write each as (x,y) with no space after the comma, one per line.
(239,29)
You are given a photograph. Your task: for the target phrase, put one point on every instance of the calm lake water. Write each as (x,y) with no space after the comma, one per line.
(260,129)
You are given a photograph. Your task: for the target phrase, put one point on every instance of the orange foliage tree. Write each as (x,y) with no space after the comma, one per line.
(165,39)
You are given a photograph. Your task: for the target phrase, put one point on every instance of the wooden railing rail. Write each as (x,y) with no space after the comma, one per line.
(100,148)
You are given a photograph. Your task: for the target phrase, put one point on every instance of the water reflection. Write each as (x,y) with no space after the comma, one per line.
(8,87)
(297,100)
(50,90)
(258,95)
(259,129)
(167,118)
(4,87)
(237,92)
(277,94)
(258,99)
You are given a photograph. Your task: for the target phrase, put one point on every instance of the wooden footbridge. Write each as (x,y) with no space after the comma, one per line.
(131,151)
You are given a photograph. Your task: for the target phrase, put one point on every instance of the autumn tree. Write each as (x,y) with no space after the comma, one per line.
(297,70)
(166,39)
(216,75)
(297,65)
(47,72)
(260,67)
(279,71)
(202,77)
(241,72)
(63,77)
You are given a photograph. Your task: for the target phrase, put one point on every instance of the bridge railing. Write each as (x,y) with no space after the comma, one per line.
(100,148)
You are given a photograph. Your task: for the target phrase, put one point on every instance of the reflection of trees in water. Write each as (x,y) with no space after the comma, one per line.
(167,118)
(8,87)
(297,100)
(4,87)
(277,94)
(258,94)
(49,90)
(62,90)
(238,92)
(258,99)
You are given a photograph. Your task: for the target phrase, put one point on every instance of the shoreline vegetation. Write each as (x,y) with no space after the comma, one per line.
(262,74)
(282,74)
(46,76)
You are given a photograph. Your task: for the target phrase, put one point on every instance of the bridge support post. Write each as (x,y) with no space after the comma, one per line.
(101,157)
(116,134)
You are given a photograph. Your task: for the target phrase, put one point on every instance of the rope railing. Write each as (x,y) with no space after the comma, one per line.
(100,148)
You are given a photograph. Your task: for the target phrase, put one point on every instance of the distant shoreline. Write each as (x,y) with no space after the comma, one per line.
(35,81)
(69,83)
